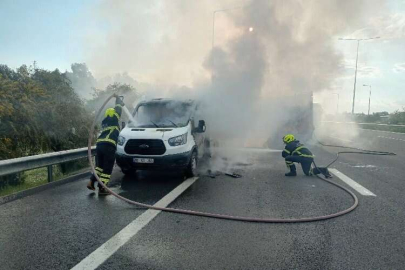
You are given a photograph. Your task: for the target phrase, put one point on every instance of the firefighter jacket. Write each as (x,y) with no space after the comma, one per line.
(295,148)
(110,128)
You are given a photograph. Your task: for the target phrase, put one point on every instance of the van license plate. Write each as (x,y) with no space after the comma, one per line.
(144,160)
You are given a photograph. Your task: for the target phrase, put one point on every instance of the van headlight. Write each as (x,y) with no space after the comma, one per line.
(179,140)
(121,140)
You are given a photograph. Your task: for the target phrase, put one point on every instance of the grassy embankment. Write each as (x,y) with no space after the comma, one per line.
(38,177)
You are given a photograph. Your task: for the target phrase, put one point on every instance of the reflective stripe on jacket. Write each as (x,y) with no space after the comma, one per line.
(110,127)
(295,148)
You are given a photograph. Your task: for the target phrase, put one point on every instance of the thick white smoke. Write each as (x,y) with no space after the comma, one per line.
(268,59)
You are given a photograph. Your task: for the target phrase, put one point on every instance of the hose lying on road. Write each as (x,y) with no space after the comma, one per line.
(212,215)
(358,151)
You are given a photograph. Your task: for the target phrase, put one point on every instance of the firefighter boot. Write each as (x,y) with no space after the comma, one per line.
(103,191)
(90,185)
(293,170)
(292,173)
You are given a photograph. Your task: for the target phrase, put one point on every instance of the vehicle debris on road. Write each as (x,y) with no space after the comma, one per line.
(234,175)
(218,173)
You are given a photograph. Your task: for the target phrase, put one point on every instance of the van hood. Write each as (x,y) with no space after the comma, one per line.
(152,133)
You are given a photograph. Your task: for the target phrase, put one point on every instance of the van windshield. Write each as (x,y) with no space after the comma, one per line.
(162,114)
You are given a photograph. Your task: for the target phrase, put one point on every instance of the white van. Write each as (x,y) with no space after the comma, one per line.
(163,135)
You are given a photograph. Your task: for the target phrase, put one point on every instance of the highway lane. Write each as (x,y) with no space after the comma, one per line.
(370,238)
(55,229)
(374,171)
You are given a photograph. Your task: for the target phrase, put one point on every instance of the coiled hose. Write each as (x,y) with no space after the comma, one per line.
(212,215)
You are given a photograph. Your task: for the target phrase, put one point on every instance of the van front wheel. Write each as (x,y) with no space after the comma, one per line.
(191,170)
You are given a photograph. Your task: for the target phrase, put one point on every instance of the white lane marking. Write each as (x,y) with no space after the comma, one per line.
(364,166)
(339,139)
(100,255)
(359,188)
(389,138)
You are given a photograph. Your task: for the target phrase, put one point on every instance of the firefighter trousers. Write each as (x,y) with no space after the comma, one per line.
(304,161)
(105,159)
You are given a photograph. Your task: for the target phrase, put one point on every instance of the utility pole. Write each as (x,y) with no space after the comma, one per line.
(357,58)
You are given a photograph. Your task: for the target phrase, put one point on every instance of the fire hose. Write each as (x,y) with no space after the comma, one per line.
(213,215)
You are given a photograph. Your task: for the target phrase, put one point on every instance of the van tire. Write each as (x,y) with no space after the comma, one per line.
(191,170)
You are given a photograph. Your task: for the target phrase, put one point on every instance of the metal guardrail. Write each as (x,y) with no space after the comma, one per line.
(16,165)
(355,123)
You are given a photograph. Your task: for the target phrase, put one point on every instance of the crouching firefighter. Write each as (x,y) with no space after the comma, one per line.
(106,146)
(296,152)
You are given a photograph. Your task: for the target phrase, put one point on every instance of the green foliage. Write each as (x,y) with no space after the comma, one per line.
(100,96)
(377,117)
(398,117)
(39,112)
(82,79)
(12,180)
(10,184)
(72,166)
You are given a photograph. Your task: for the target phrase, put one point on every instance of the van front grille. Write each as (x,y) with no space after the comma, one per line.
(146,147)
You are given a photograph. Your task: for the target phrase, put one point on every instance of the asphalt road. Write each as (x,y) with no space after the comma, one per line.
(60,227)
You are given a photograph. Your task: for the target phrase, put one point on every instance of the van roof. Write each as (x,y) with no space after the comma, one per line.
(166,100)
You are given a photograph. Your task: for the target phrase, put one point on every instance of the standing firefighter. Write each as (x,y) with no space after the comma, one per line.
(294,151)
(106,146)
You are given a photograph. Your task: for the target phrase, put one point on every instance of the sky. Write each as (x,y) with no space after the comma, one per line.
(56,34)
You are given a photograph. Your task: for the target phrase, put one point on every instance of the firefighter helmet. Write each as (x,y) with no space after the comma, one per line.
(288,138)
(109,112)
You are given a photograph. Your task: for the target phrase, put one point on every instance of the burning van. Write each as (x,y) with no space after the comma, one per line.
(163,134)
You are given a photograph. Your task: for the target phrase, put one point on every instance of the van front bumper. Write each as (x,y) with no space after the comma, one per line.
(176,161)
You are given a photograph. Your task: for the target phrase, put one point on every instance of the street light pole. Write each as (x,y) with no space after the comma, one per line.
(213,26)
(369,98)
(355,75)
(357,58)
(223,10)
(213,20)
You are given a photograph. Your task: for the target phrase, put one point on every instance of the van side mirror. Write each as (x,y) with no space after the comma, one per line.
(201,127)
(122,125)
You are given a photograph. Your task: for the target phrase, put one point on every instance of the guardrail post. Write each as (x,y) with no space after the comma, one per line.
(50,174)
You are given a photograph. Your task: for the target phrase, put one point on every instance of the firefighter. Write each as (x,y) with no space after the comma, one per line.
(106,146)
(294,151)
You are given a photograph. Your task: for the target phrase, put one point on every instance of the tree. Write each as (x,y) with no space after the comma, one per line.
(19,102)
(100,96)
(68,126)
(82,80)
(398,117)
(39,112)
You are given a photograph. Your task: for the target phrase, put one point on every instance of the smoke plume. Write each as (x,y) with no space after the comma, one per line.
(267,60)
